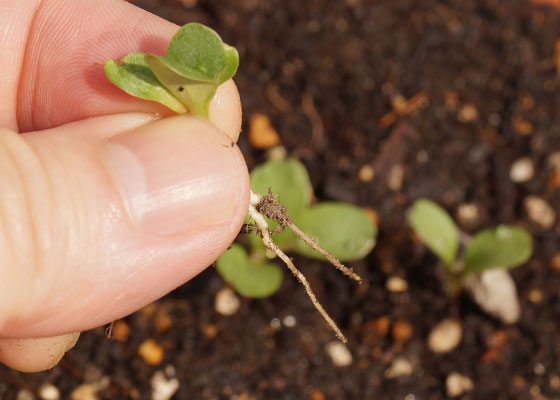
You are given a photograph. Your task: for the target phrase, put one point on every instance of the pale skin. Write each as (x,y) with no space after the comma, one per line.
(104,207)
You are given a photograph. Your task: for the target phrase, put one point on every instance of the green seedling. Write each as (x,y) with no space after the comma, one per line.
(343,230)
(503,246)
(185,79)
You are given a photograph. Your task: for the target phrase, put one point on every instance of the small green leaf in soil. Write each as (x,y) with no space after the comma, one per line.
(500,247)
(249,278)
(436,229)
(342,229)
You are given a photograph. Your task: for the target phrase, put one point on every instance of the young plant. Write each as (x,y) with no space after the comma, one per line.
(185,80)
(342,229)
(497,248)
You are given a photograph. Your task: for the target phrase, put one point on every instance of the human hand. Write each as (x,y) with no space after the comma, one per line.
(103,208)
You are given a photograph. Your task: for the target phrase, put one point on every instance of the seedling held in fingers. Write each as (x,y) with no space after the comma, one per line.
(195,64)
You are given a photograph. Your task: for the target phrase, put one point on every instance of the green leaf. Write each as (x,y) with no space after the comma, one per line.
(132,75)
(500,247)
(342,229)
(436,229)
(195,64)
(289,181)
(251,279)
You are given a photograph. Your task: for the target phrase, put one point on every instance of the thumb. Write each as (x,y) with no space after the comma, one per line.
(102,216)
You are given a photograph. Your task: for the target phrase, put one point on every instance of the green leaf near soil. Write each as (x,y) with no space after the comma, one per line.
(289,181)
(195,64)
(249,278)
(342,229)
(500,247)
(436,229)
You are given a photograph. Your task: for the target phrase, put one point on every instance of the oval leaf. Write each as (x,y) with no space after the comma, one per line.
(248,278)
(500,247)
(132,75)
(436,229)
(342,229)
(289,181)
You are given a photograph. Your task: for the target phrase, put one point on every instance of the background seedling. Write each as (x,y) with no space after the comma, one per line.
(491,249)
(185,80)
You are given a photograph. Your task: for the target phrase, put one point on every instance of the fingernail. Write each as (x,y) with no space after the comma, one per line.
(177,175)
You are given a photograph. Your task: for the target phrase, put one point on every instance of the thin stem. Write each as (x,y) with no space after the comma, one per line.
(267,240)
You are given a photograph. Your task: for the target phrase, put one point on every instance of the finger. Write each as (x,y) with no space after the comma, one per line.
(34,355)
(60,53)
(103,216)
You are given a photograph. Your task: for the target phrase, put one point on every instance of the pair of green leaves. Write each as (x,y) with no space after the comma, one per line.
(186,78)
(499,247)
(342,229)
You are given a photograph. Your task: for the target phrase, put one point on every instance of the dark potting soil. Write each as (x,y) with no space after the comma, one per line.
(440,98)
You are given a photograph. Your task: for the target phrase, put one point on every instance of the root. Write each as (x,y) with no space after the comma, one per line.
(268,206)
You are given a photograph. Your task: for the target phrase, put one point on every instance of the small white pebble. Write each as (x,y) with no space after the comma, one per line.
(400,367)
(84,392)
(47,391)
(468,214)
(162,387)
(539,369)
(396,284)
(522,170)
(226,302)
(445,336)
(457,384)
(540,212)
(289,321)
(24,394)
(395,177)
(339,354)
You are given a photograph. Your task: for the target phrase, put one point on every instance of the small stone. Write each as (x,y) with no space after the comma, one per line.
(151,352)
(402,331)
(522,170)
(396,284)
(339,354)
(555,262)
(84,392)
(400,367)
(120,331)
(209,330)
(494,291)
(316,394)
(163,388)
(554,382)
(539,211)
(47,391)
(457,384)
(554,160)
(535,296)
(468,214)
(366,173)
(162,321)
(522,126)
(468,113)
(381,326)
(262,134)
(395,177)
(445,336)
(227,303)
(289,321)
(25,394)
